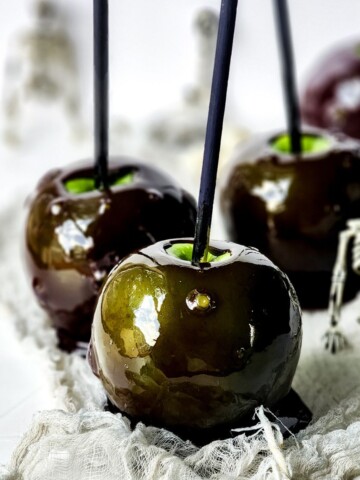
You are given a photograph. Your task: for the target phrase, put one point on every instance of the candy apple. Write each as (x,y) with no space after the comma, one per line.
(76,233)
(331,97)
(293,207)
(190,347)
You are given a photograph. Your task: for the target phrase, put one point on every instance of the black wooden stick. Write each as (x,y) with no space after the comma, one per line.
(288,74)
(101,92)
(214,128)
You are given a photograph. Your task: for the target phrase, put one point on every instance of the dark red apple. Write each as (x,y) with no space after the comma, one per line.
(331,97)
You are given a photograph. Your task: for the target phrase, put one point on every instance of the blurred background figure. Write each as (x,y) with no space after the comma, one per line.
(179,134)
(41,68)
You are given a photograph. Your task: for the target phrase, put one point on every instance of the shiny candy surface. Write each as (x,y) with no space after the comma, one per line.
(74,239)
(293,208)
(196,347)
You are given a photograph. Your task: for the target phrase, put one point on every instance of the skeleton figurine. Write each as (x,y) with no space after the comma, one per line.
(41,67)
(334,338)
(205,27)
(187,125)
(178,135)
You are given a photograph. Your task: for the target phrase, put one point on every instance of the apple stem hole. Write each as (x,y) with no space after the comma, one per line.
(309,143)
(88,184)
(184,251)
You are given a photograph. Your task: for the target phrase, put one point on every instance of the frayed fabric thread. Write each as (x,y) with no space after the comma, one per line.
(80,441)
(274,439)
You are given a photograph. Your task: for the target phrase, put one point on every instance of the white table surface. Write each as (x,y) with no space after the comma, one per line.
(138,52)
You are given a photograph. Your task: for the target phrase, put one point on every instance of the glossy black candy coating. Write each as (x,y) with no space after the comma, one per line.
(74,240)
(290,414)
(292,210)
(169,365)
(331,97)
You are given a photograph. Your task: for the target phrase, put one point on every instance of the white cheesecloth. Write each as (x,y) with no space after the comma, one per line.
(80,441)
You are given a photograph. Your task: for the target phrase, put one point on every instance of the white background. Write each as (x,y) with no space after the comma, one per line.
(152,43)
(152,53)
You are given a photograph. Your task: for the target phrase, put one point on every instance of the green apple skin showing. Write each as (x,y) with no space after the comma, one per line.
(73,240)
(171,365)
(293,208)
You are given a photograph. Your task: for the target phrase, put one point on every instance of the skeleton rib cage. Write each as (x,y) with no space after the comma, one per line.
(334,338)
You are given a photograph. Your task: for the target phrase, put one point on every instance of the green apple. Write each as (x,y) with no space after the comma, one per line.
(195,347)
